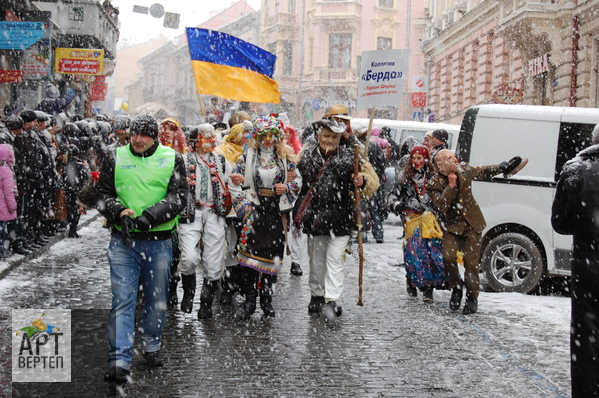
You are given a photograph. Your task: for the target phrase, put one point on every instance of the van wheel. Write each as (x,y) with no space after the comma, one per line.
(512,262)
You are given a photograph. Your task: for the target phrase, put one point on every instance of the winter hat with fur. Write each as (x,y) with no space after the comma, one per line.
(144,124)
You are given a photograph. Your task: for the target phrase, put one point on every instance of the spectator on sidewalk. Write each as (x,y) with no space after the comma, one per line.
(142,189)
(575,212)
(15,228)
(8,190)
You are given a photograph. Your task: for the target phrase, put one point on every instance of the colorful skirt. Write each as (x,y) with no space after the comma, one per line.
(423,260)
(262,239)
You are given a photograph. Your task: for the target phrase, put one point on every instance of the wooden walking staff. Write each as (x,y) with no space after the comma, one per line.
(359,205)
(359,222)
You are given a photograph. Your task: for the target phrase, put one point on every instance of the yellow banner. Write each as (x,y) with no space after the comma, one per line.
(79,61)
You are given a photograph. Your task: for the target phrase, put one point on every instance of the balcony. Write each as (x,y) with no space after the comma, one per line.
(337,9)
(335,75)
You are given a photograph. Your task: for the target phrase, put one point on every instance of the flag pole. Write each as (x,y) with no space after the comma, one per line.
(368,134)
(202,110)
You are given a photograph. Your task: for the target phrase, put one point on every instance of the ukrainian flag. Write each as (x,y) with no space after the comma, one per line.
(228,67)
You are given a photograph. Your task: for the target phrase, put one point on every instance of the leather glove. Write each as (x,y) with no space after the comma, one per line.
(142,223)
(126,227)
(396,208)
(507,167)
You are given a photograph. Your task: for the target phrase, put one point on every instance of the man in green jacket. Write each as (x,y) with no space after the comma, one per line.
(141,190)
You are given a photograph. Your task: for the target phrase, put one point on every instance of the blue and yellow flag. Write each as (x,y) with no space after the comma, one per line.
(228,67)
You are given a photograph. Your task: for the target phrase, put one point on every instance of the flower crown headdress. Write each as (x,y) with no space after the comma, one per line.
(269,124)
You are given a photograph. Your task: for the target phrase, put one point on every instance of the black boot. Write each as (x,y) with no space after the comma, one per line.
(412,292)
(189,291)
(250,279)
(172,291)
(470,306)
(18,247)
(456,298)
(316,303)
(266,299)
(296,269)
(229,285)
(427,292)
(206,298)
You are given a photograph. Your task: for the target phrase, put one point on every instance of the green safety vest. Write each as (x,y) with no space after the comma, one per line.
(141,182)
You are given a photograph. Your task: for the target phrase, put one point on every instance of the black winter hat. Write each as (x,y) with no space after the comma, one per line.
(28,116)
(144,124)
(42,116)
(122,122)
(71,130)
(13,122)
(441,135)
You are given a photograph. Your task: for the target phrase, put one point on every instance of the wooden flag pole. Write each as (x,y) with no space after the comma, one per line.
(368,134)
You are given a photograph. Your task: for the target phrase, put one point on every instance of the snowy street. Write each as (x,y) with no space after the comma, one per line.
(392,346)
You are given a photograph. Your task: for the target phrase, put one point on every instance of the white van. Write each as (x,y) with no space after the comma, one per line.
(400,129)
(519,246)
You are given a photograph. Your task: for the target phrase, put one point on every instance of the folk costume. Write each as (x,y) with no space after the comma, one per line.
(326,212)
(261,245)
(202,228)
(423,257)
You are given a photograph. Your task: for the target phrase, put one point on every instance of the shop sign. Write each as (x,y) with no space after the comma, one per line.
(98,89)
(20,35)
(538,65)
(419,100)
(508,95)
(11,76)
(79,61)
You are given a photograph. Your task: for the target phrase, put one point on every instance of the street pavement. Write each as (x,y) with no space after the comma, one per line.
(392,346)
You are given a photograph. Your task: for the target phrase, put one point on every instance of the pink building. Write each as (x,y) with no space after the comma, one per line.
(511,51)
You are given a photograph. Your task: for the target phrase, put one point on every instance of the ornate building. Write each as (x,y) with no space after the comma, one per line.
(511,51)
(319,43)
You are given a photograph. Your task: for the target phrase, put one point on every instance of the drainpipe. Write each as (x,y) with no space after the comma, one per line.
(574,73)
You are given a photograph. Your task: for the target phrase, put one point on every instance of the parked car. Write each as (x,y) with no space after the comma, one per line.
(519,246)
(401,129)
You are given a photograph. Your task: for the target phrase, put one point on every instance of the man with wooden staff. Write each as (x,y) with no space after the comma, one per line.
(326,211)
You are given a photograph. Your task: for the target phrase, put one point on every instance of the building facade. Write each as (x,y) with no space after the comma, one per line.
(79,24)
(511,51)
(319,43)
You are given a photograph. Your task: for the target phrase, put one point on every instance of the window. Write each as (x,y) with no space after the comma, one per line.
(340,50)
(272,48)
(573,138)
(384,43)
(291,7)
(76,14)
(386,3)
(288,58)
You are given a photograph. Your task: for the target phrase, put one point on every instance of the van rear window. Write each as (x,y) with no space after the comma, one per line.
(573,137)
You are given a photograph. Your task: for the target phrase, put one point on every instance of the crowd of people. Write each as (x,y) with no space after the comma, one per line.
(52,157)
(228,202)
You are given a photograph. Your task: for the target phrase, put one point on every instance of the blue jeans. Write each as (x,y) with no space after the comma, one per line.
(375,217)
(147,261)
